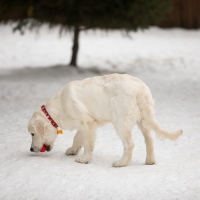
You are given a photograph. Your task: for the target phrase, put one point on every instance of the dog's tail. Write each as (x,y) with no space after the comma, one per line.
(160,132)
(146,107)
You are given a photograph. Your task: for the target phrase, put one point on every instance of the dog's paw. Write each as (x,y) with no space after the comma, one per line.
(71,151)
(150,162)
(119,164)
(83,159)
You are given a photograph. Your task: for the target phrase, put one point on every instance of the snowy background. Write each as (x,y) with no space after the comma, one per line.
(33,67)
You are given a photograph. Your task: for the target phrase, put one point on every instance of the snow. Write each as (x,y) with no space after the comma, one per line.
(168,61)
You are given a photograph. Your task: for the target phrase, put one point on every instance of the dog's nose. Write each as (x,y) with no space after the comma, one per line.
(31,149)
(48,148)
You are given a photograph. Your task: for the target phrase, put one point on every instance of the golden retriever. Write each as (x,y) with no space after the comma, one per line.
(85,105)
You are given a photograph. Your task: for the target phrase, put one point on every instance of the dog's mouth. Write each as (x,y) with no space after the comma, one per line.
(45,148)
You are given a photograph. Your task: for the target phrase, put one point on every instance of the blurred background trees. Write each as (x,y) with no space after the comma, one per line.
(79,15)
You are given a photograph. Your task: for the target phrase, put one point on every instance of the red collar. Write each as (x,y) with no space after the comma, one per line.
(48,116)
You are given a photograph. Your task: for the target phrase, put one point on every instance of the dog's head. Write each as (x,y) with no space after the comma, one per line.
(42,132)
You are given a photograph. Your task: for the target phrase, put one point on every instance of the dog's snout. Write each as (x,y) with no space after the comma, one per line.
(48,148)
(31,149)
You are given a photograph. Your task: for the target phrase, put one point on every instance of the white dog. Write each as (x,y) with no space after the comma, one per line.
(85,105)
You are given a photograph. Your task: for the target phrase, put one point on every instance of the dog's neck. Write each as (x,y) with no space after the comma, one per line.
(58,114)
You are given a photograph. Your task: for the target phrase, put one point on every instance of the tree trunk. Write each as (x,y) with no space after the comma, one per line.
(73,61)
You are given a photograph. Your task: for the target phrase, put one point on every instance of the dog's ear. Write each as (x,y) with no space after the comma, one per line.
(40,126)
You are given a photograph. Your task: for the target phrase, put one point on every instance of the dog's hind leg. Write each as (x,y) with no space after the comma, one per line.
(77,144)
(150,157)
(123,129)
(88,136)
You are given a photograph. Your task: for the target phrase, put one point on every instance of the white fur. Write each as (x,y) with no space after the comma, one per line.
(84,105)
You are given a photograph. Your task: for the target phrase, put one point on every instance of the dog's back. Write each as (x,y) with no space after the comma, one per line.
(102,96)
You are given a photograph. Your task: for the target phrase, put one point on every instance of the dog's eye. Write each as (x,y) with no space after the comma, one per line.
(32,134)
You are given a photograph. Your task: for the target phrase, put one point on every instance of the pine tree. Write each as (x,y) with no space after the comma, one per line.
(83,14)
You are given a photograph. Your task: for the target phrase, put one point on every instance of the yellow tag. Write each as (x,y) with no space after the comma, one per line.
(59,132)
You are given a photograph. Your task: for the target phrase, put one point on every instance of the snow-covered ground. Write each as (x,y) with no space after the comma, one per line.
(168,61)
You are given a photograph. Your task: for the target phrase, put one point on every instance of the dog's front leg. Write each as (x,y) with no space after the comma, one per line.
(88,136)
(77,143)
